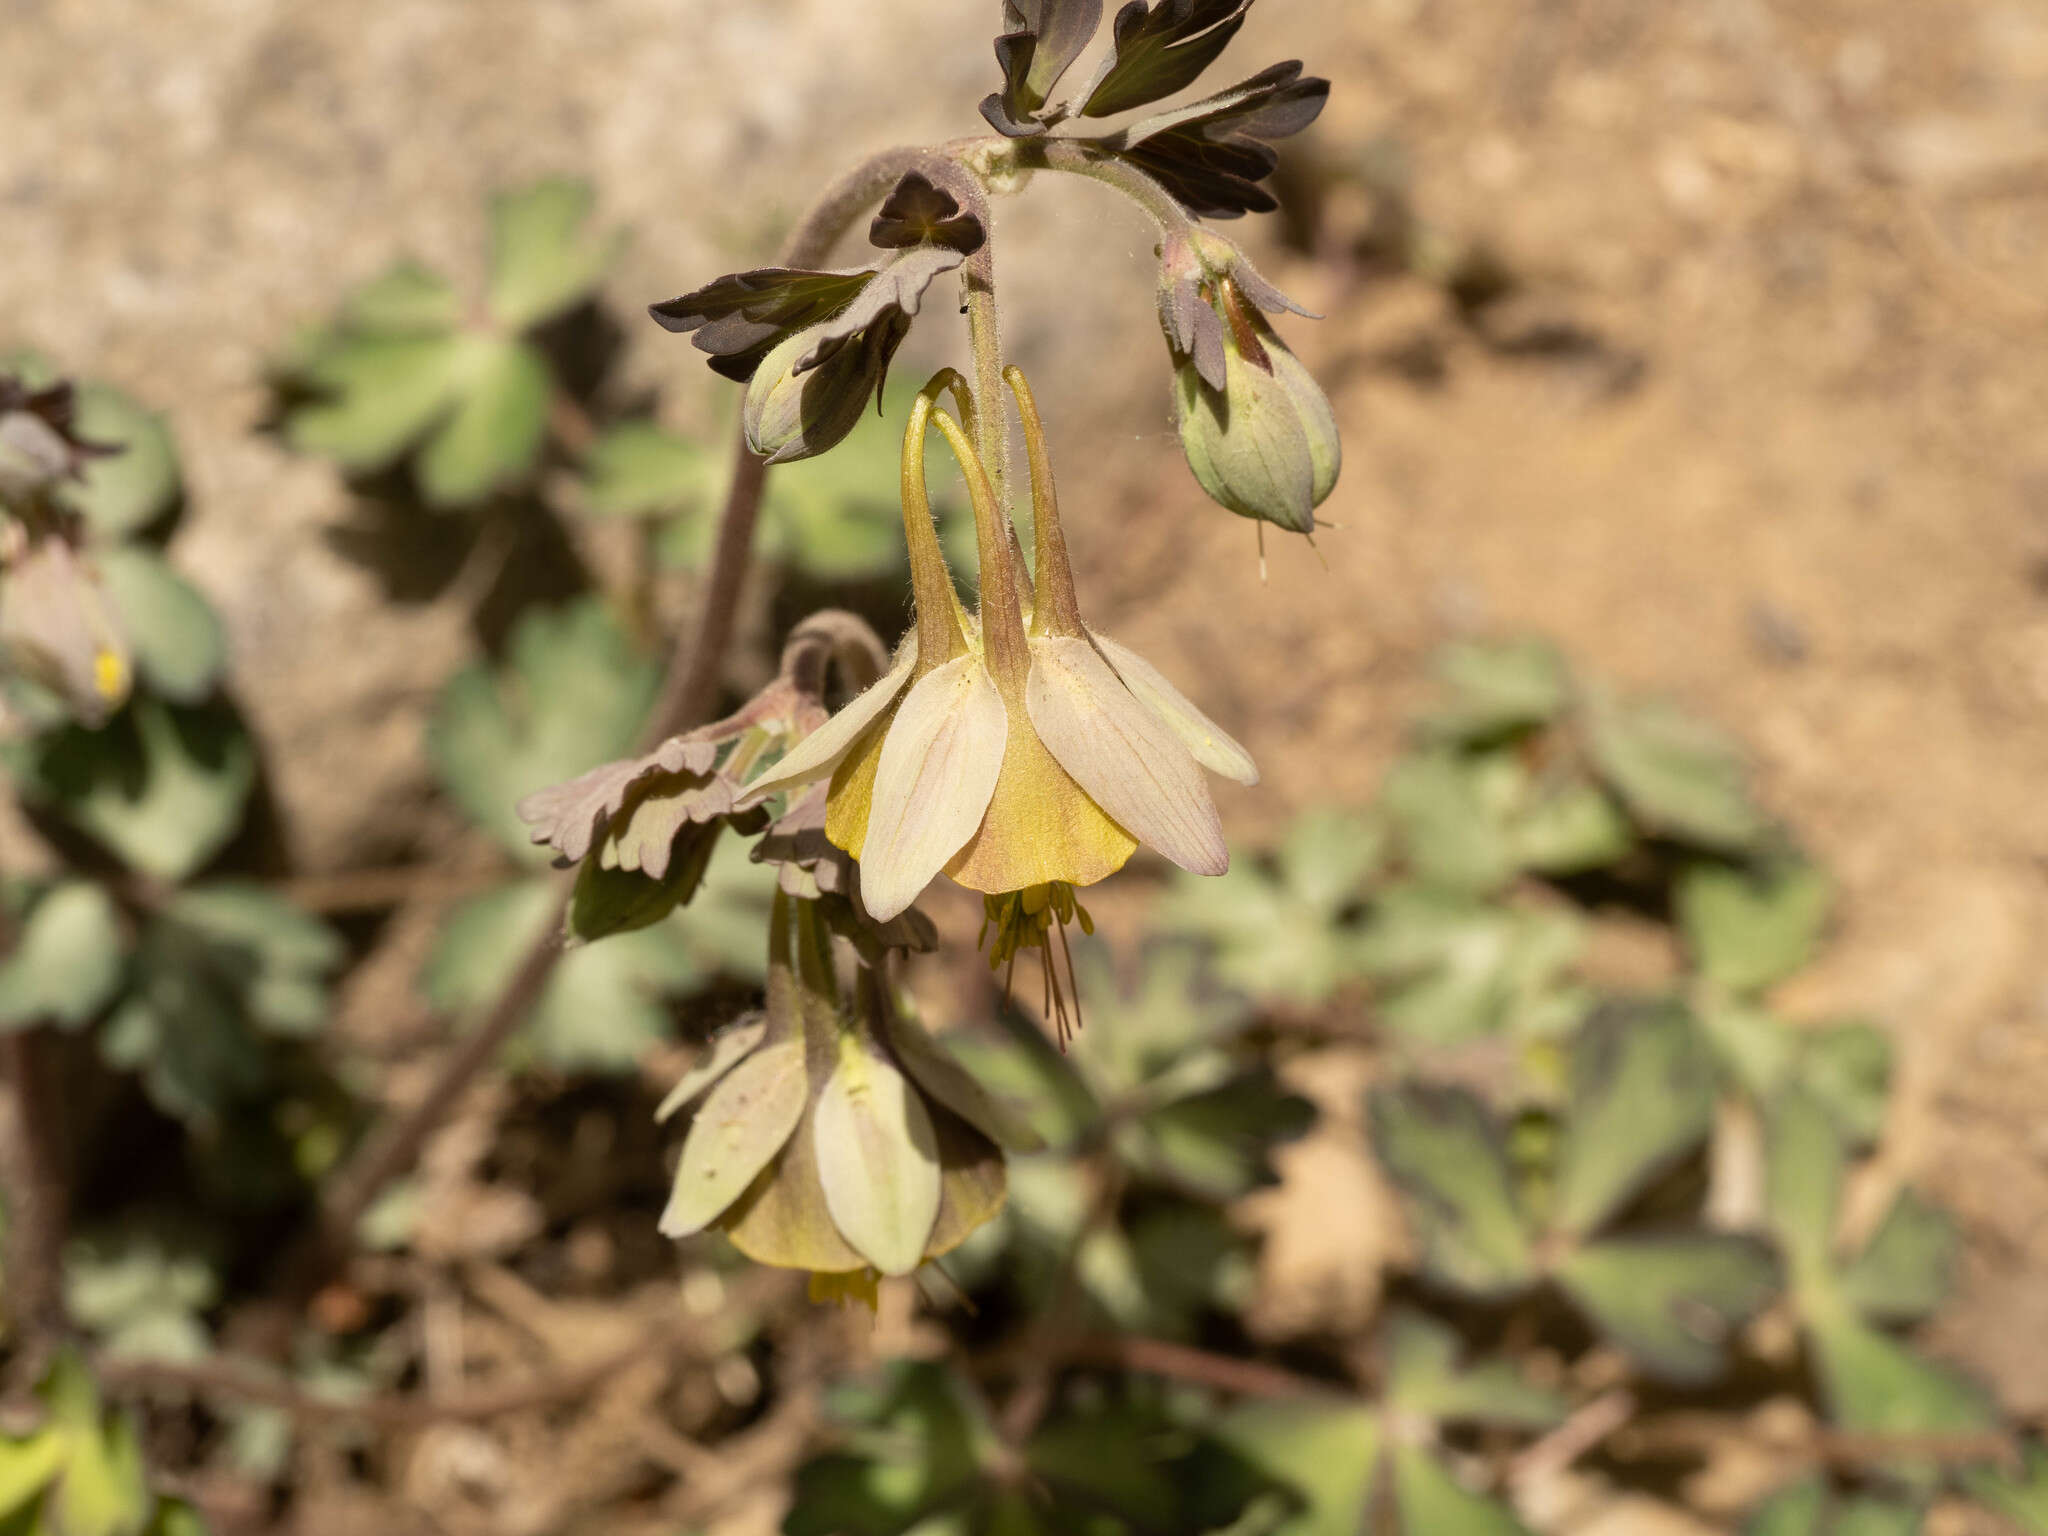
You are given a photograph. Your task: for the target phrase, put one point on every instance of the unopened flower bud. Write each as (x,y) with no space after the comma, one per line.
(1258,431)
(1265,444)
(792,412)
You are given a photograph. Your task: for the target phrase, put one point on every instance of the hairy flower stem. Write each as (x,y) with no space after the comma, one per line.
(1079,159)
(985,337)
(688,696)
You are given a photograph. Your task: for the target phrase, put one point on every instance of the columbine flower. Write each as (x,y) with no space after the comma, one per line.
(840,1140)
(1257,429)
(1014,756)
(57,626)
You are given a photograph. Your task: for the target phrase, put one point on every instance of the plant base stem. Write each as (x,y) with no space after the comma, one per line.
(37,1197)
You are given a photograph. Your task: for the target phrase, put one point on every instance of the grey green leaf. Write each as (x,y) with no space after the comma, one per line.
(179,647)
(162,786)
(1641,1097)
(572,693)
(67,959)
(1441,1148)
(1749,928)
(544,257)
(123,493)
(1672,1300)
(1680,777)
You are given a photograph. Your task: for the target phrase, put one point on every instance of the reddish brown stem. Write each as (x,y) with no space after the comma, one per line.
(224,1378)
(1158,1357)
(37,1194)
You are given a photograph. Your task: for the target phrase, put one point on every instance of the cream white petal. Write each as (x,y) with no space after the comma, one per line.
(1126,757)
(819,753)
(878,1158)
(725,1052)
(933,784)
(744,1123)
(1211,744)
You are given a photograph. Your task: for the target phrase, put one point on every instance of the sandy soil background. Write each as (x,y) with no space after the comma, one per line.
(1760,422)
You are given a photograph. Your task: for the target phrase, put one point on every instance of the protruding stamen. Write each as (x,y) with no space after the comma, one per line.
(1054,610)
(1027,919)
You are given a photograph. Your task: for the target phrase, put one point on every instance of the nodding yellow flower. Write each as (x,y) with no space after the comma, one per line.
(1014,750)
(834,1138)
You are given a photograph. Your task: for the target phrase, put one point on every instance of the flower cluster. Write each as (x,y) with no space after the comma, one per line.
(1006,745)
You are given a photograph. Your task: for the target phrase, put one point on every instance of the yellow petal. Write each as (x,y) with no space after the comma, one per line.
(1209,742)
(851,795)
(938,768)
(822,751)
(1041,827)
(1123,754)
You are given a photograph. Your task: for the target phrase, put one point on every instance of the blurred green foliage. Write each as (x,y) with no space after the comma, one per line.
(921,1452)
(207,990)
(1350,1457)
(572,693)
(1159,1117)
(834,518)
(80,1472)
(410,368)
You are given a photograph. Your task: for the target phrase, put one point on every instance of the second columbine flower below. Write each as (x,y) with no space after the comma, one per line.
(831,1137)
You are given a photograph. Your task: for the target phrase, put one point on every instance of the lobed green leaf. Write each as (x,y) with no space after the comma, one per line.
(1441,1148)
(1673,1300)
(67,959)
(544,258)
(179,648)
(1641,1098)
